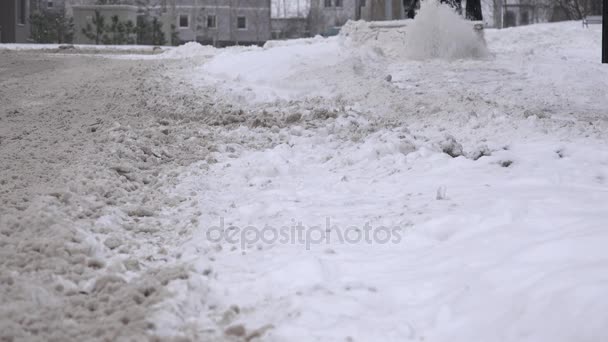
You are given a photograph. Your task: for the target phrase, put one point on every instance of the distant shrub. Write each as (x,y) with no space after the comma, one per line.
(51,27)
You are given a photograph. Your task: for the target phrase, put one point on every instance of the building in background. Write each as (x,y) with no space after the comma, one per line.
(376,10)
(217,22)
(326,16)
(509,13)
(14,21)
(289,28)
(289,19)
(521,12)
(85,14)
(47,5)
(213,22)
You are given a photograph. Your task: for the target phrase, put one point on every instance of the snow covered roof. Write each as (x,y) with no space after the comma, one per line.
(289,8)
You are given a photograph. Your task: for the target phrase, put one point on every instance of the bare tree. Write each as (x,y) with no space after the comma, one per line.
(573,9)
(217,25)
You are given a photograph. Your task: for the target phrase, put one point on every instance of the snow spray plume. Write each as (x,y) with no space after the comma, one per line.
(439,32)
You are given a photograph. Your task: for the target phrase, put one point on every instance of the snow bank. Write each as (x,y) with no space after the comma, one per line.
(284,71)
(190,50)
(289,42)
(438,32)
(389,38)
(495,169)
(334,67)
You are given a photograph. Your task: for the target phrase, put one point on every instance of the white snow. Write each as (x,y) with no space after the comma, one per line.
(438,32)
(189,50)
(503,243)
(280,72)
(301,68)
(478,171)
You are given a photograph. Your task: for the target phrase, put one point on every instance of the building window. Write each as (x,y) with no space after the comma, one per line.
(183,21)
(21,12)
(338,3)
(241,23)
(211,23)
(327,3)
(49,4)
(509,19)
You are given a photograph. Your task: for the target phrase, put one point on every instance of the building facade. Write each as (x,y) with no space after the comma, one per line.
(83,15)
(522,12)
(326,16)
(218,22)
(48,5)
(289,28)
(212,22)
(14,21)
(376,10)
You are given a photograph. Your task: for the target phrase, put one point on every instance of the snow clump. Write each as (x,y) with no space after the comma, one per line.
(439,32)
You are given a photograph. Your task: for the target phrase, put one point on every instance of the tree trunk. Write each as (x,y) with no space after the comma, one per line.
(605,33)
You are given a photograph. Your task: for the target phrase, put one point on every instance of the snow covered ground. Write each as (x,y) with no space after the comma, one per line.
(363,187)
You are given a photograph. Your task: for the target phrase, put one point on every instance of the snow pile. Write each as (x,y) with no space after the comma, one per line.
(284,71)
(439,32)
(504,252)
(290,42)
(349,66)
(388,37)
(269,72)
(190,50)
(495,169)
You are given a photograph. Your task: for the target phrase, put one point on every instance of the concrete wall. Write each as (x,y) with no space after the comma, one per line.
(22,29)
(226,32)
(382,10)
(7,22)
(84,14)
(322,19)
(14,25)
(289,28)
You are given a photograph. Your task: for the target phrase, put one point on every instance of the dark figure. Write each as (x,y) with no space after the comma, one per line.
(474,10)
(410,6)
(411,13)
